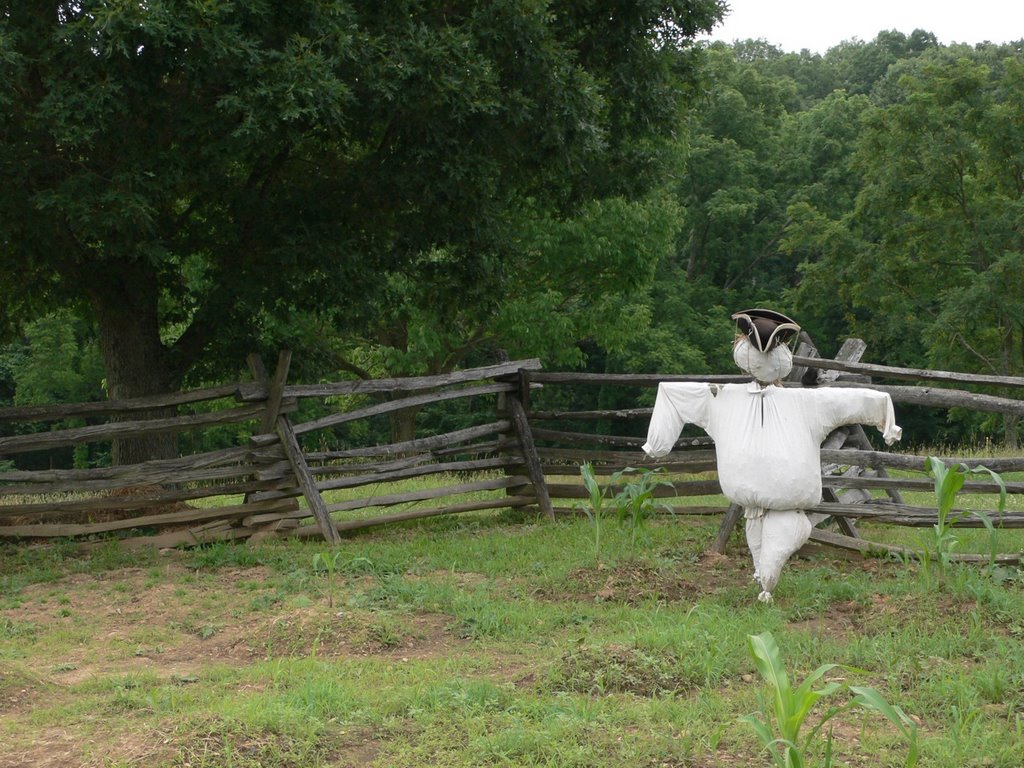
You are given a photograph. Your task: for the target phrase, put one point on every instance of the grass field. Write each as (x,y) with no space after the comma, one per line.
(493,640)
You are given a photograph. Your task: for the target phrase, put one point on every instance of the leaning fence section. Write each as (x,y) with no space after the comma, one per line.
(473,468)
(283,476)
(40,501)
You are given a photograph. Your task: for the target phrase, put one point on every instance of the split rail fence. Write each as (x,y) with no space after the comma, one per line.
(515,455)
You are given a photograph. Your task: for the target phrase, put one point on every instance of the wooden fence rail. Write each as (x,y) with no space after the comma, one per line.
(852,469)
(281,481)
(253,490)
(29,413)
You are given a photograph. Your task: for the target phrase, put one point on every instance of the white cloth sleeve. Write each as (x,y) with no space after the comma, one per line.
(841,406)
(677,404)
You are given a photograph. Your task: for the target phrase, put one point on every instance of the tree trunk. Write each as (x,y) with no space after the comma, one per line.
(133,354)
(691,256)
(403,424)
(1010,422)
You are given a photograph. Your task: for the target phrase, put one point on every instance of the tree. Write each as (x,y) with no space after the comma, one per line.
(929,259)
(860,65)
(735,208)
(564,281)
(56,360)
(187,174)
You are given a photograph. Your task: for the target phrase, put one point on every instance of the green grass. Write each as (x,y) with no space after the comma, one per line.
(491,640)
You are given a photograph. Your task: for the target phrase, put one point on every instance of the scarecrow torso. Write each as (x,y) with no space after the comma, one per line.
(767,441)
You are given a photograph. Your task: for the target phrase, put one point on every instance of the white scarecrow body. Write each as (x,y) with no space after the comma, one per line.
(768,446)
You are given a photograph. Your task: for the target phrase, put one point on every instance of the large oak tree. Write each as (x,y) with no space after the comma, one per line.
(186,172)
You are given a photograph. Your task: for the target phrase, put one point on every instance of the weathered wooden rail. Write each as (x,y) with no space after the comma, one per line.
(856,481)
(521,452)
(270,485)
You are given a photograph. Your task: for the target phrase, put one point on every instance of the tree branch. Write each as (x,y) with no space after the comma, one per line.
(986,361)
(347,365)
(761,255)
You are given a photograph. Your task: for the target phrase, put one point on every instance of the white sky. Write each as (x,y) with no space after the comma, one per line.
(817,25)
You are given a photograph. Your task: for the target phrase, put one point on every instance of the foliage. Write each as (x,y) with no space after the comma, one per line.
(594,509)
(926,262)
(635,503)
(57,360)
(326,563)
(779,725)
(730,188)
(689,329)
(188,174)
(948,482)
(396,189)
(561,280)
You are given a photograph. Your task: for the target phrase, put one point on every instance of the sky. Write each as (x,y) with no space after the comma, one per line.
(817,25)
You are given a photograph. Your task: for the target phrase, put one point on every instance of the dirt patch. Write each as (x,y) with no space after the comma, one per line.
(357,747)
(135,621)
(635,583)
(838,619)
(57,747)
(19,690)
(332,634)
(618,669)
(176,625)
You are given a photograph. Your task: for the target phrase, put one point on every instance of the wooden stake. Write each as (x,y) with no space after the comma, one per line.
(729,521)
(533,468)
(305,479)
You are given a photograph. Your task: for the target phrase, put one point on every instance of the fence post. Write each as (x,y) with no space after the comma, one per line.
(274,420)
(305,479)
(521,425)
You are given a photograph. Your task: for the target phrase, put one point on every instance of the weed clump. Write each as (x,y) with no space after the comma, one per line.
(618,669)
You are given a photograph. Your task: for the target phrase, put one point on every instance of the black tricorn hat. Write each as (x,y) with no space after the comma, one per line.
(765,329)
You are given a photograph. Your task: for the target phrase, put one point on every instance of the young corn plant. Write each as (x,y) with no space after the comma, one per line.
(871,700)
(594,509)
(327,563)
(635,503)
(778,727)
(943,541)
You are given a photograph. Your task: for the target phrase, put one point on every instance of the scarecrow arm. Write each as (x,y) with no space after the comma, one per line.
(677,404)
(840,407)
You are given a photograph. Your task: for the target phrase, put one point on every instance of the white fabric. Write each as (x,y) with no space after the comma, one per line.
(773,538)
(764,366)
(767,440)
(768,447)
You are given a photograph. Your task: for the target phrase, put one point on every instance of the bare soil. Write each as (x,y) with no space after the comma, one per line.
(125,623)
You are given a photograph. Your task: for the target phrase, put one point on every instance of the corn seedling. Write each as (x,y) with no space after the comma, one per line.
(594,510)
(635,502)
(948,482)
(327,564)
(790,707)
(871,700)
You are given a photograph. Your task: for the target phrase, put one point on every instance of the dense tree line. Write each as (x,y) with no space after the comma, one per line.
(404,188)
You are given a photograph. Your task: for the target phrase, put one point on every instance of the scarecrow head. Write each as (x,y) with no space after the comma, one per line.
(762,344)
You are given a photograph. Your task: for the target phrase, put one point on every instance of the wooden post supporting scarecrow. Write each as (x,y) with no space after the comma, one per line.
(767,437)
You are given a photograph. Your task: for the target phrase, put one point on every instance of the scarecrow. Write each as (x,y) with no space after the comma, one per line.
(767,437)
